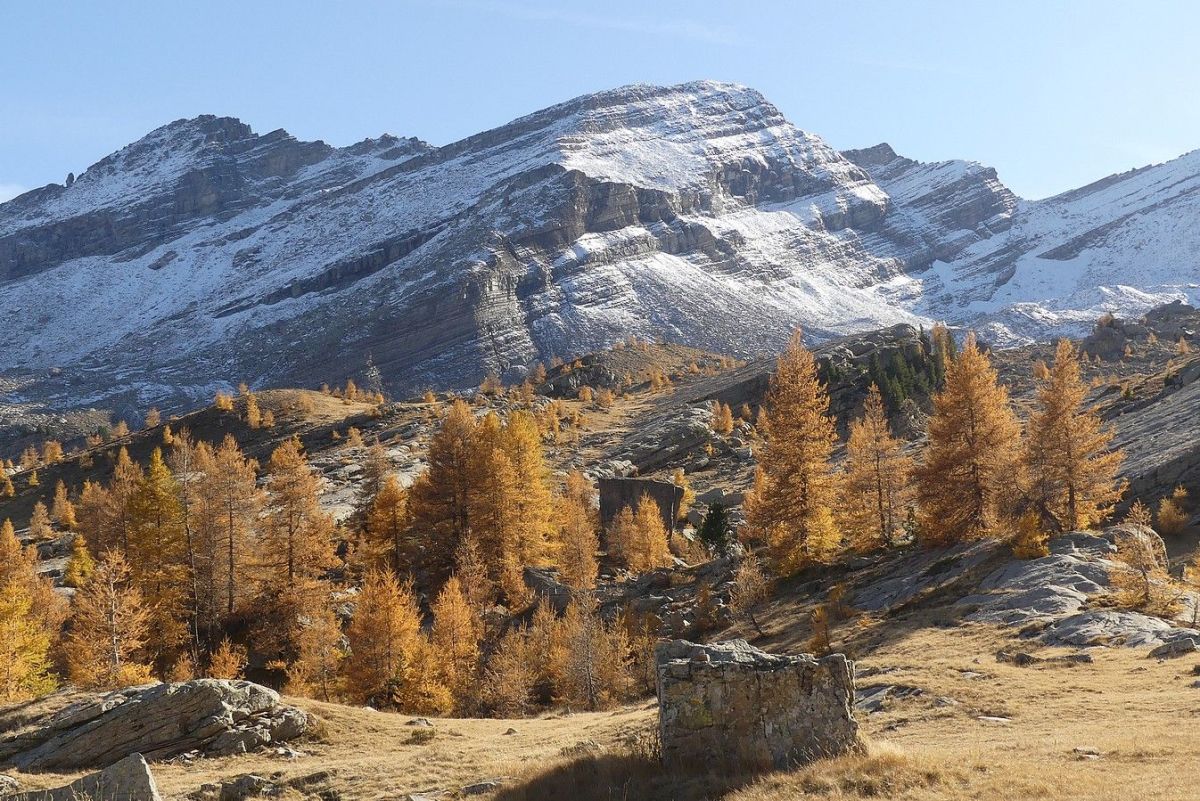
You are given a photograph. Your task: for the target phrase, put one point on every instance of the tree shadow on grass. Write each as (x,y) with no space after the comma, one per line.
(627,776)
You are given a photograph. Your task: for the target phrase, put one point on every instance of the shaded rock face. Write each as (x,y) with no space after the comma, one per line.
(732,706)
(128,779)
(212,716)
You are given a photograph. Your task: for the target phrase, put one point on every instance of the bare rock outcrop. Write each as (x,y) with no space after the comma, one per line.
(732,703)
(212,716)
(129,779)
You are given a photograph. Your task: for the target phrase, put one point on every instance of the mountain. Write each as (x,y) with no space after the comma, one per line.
(205,254)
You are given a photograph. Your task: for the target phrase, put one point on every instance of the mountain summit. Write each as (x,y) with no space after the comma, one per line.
(205,254)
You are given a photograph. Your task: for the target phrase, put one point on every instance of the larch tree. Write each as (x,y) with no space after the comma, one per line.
(24,647)
(876,485)
(384,637)
(189,464)
(237,504)
(522,442)
(794,491)
(317,640)
(298,539)
(63,511)
(578,523)
(495,521)
(967,482)
(439,499)
(25,633)
(637,537)
(1068,456)
(40,528)
(594,671)
(388,526)
(157,553)
(455,640)
(109,629)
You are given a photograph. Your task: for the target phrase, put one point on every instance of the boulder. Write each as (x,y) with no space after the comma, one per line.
(1127,536)
(738,709)
(127,780)
(215,717)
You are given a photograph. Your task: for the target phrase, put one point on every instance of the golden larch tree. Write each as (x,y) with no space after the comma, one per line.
(40,528)
(384,637)
(579,520)
(455,640)
(876,491)
(388,526)
(638,538)
(791,504)
(24,647)
(439,499)
(109,629)
(156,555)
(63,511)
(1068,456)
(236,503)
(298,536)
(967,481)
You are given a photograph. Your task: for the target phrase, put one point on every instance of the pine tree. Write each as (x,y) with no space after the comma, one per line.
(153,418)
(7,490)
(875,488)
(109,629)
(63,511)
(439,499)
(716,531)
(1072,470)
(384,636)
(578,523)
(722,421)
(455,641)
(966,483)
(52,451)
(253,413)
(790,505)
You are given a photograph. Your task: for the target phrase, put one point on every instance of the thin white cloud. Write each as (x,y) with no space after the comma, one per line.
(676,29)
(9,191)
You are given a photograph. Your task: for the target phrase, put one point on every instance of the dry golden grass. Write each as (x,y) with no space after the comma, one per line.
(1137,713)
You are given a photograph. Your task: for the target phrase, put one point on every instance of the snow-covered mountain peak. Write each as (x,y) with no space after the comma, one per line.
(697,212)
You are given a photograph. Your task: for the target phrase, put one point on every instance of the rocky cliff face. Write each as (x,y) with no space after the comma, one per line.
(205,254)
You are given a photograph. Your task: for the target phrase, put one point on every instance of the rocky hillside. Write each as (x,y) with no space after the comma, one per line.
(205,253)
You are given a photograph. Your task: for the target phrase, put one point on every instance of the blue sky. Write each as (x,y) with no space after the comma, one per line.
(1052,94)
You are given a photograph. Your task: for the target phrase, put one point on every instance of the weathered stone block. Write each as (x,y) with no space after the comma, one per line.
(735,707)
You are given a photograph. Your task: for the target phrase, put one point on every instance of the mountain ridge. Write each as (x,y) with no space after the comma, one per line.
(694,212)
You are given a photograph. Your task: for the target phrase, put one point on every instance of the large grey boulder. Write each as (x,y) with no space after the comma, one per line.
(731,706)
(127,780)
(212,716)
